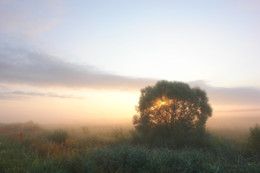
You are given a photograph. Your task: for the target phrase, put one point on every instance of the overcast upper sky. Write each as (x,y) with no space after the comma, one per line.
(61,49)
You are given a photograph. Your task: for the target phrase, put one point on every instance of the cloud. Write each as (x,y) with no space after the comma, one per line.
(22,66)
(230,96)
(22,94)
(241,110)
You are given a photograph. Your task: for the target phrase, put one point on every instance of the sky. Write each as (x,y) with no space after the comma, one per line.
(86,61)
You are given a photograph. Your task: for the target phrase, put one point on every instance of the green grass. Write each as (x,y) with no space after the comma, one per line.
(23,150)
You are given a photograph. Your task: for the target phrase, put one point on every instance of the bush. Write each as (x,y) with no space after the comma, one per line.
(58,136)
(119,135)
(254,139)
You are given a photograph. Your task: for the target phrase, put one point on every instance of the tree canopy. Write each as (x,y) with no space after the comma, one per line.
(171,105)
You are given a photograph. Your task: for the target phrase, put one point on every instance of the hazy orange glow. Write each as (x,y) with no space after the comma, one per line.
(106,107)
(95,107)
(161,102)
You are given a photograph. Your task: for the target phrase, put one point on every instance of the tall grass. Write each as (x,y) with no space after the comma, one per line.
(82,150)
(127,158)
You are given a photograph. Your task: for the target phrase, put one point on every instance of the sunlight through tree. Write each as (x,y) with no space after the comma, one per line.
(171,107)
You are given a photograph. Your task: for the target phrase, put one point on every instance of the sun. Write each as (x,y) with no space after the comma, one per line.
(161,102)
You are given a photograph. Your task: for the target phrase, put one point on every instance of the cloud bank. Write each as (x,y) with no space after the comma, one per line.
(230,96)
(26,67)
(21,66)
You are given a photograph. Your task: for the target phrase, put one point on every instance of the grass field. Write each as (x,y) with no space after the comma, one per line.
(28,147)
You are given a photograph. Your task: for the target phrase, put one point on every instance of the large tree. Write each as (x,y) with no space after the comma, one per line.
(169,106)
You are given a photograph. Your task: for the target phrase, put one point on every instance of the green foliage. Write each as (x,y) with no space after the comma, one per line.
(58,136)
(172,112)
(254,139)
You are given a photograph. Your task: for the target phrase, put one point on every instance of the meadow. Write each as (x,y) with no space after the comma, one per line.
(29,147)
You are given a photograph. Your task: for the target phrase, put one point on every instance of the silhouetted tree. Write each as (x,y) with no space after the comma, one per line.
(171,109)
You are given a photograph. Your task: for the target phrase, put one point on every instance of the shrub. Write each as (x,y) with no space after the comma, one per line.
(119,135)
(58,136)
(254,139)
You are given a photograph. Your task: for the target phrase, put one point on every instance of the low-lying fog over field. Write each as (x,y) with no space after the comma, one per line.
(232,107)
